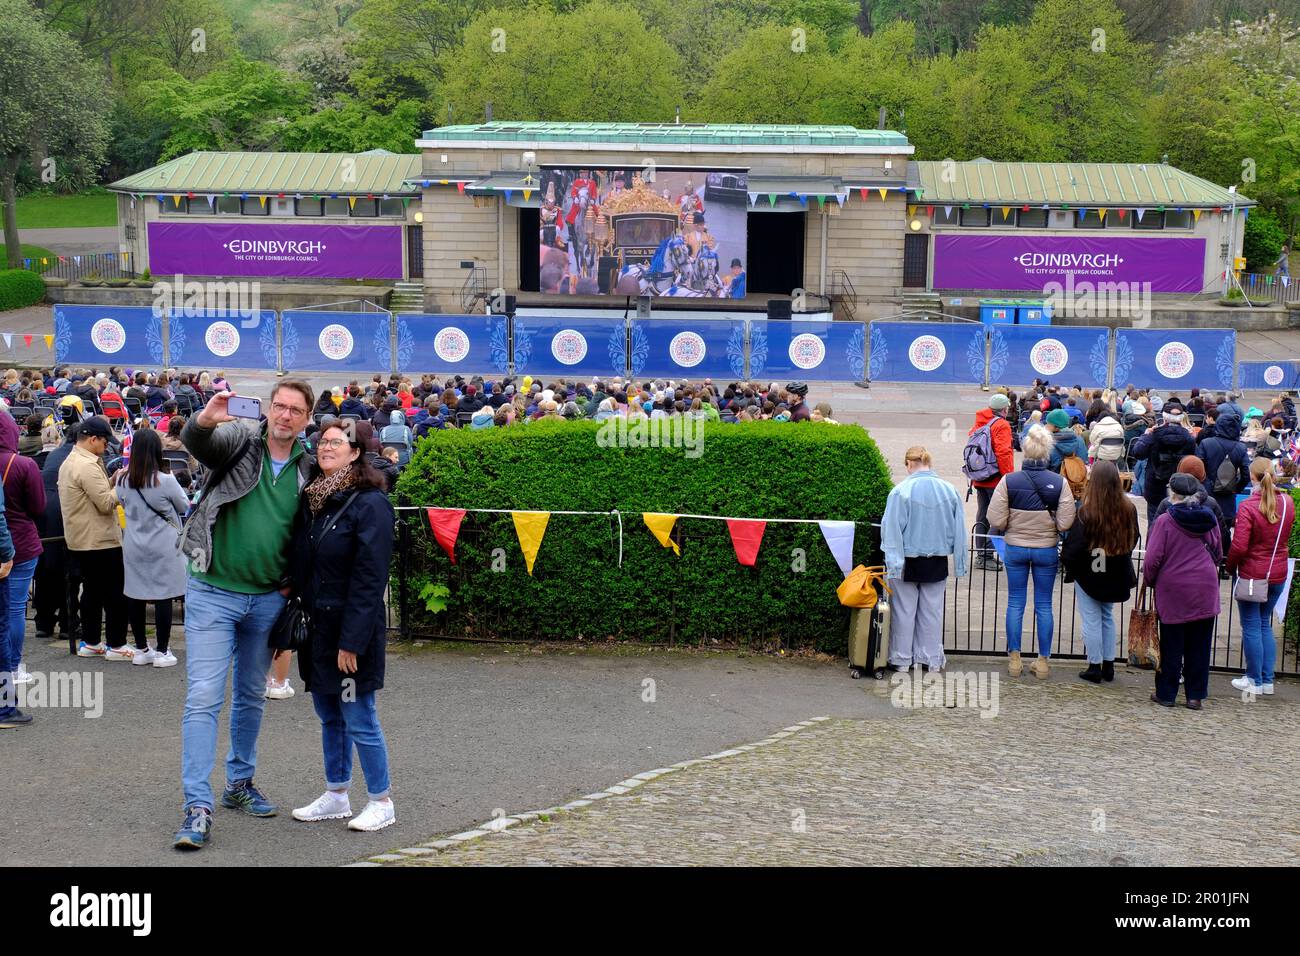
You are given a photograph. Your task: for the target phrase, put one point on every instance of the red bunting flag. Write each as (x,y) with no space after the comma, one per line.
(460,187)
(863,192)
(746,536)
(28,340)
(1122,213)
(445,523)
(929,211)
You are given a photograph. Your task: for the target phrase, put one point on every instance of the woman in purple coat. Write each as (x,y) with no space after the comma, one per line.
(1184,549)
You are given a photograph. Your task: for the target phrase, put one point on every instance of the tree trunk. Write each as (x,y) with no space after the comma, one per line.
(9,199)
(865,26)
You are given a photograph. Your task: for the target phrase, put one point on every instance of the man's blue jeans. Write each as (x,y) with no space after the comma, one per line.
(344,723)
(221,626)
(19,587)
(1020,562)
(1257,641)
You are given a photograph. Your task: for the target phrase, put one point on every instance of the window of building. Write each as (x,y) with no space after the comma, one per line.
(1032,218)
(198,206)
(365,208)
(253,206)
(228,206)
(310,207)
(170,208)
(281,207)
(975,217)
(1115,221)
(1150,220)
(1178,220)
(391,207)
(336,207)
(944,216)
(1089,220)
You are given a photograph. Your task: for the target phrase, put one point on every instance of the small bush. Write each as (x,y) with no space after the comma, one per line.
(20,288)
(1262,242)
(755,470)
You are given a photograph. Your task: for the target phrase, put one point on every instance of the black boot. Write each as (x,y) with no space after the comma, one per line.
(1107,670)
(1093,673)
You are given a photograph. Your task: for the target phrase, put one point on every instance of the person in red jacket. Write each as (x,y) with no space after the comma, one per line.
(1000,432)
(1259,553)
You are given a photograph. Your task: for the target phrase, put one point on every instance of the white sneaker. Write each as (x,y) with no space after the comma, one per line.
(328,806)
(1245,683)
(276,691)
(145,657)
(375,816)
(22,676)
(125,653)
(91,650)
(164,658)
(1265,689)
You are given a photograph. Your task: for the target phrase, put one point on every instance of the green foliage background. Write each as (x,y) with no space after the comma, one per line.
(755,470)
(20,288)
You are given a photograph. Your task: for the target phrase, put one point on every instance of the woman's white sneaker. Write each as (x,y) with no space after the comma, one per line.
(1245,683)
(164,659)
(328,806)
(276,691)
(375,816)
(144,657)
(22,675)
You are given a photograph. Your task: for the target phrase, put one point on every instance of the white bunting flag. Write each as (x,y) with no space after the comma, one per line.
(212,200)
(840,197)
(839,538)
(947,212)
(753,198)
(9,339)
(1140,212)
(1279,610)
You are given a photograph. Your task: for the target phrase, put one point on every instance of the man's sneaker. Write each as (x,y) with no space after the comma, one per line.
(244,796)
(22,675)
(164,659)
(375,816)
(91,650)
(15,720)
(124,653)
(142,658)
(276,691)
(328,806)
(193,834)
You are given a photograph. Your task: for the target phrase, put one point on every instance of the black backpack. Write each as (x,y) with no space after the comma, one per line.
(1164,466)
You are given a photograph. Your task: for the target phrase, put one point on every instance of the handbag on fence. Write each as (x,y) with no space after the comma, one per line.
(858,589)
(1143,632)
(1256,591)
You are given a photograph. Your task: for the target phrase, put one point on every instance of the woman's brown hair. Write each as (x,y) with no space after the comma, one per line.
(1108,515)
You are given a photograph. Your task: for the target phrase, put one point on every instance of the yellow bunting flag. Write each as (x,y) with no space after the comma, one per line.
(1102,214)
(176,198)
(352,201)
(527,193)
(883,193)
(911,211)
(1196,214)
(530,526)
(262,200)
(661,526)
(1006,211)
(49,341)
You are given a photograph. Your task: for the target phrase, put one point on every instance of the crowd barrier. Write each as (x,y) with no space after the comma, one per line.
(307,340)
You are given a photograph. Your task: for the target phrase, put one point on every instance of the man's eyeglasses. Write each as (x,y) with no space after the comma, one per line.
(279,408)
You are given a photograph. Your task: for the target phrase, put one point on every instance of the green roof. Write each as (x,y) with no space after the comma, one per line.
(1084,184)
(698,135)
(375,172)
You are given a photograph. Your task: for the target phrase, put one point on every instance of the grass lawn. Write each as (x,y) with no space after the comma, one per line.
(64,212)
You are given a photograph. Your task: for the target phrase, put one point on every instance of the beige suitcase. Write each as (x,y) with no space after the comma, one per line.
(869,640)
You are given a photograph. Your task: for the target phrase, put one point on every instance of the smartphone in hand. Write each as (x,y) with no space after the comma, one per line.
(242,407)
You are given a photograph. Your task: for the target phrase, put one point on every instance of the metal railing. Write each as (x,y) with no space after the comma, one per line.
(1270,288)
(106,265)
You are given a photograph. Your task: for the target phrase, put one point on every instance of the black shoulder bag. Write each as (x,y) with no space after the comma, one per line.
(292,629)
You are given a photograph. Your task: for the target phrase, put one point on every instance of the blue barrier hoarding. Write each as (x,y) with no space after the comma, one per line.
(1062,355)
(222,340)
(809,351)
(1282,375)
(335,341)
(452,344)
(1177,359)
(569,346)
(128,335)
(927,352)
(693,349)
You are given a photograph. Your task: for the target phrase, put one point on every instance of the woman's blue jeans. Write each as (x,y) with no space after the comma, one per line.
(1021,562)
(1098,626)
(1257,641)
(345,724)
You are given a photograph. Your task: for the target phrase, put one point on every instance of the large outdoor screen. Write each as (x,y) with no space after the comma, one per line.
(641,231)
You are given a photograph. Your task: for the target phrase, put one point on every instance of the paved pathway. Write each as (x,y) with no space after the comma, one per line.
(1065,773)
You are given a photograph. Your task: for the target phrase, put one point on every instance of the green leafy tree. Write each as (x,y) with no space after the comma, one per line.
(1262,242)
(533,70)
(773,76)
(51,107)
(353,127)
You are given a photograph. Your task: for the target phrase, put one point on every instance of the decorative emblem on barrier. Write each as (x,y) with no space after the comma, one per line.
(1049,357)
(687,349)
(807,351)
(1174,360)
(108,336)
(451,344)
(222,339)
(335,342)
(569,346)
(926,353)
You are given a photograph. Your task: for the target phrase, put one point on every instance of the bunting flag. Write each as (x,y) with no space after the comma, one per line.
(746,536)
(1082,213)
(911,211)
(753,198)
(1006,211)
(771,199)
(384,197)
(929,211)
(1286,281)
(527,194)
(460,187)
(27,339)
(49,341)
(821,201)
(1196,215)
(1122,213)
(176,198)
(883,193)
(863,192)
(212,200)
(1141,210)
(442,182)
(262,200)
(27,263)
(1102,214)
(77,259)
(445,524)
(947,212)
(803,200)
(661,526)
(839,538)
(508,192)
(1279,609)
(840,197)
(352,202)
(530,526)
(9,339)
(425,183)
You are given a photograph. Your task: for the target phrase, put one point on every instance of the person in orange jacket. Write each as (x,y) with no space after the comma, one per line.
(1000,433)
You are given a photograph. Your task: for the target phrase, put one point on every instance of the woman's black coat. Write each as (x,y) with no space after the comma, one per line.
(341,578)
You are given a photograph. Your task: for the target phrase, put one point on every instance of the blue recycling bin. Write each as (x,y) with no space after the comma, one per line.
(997,311)
(1034,313)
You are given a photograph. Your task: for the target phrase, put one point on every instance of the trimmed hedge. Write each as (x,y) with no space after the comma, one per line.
(753,470)
(20,288)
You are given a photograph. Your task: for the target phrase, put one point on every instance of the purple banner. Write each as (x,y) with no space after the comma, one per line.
(1029,263)
(263,249)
